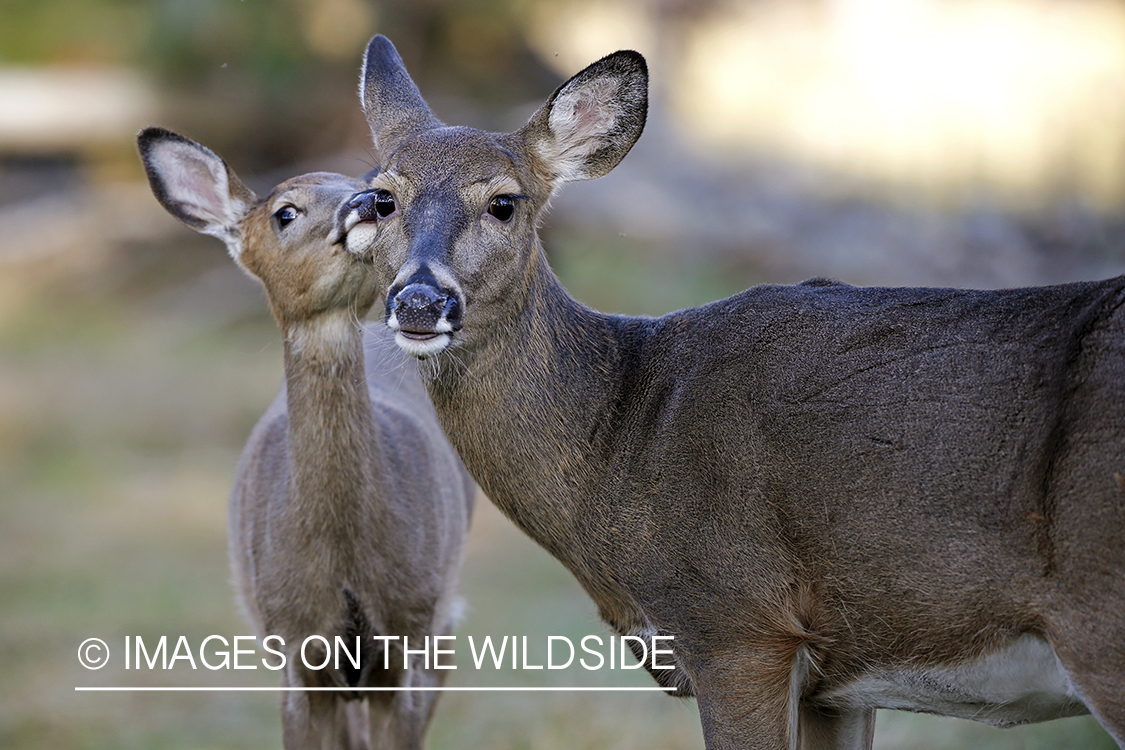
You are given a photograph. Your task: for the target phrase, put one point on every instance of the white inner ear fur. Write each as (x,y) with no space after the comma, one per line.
(198,182)
(579,121)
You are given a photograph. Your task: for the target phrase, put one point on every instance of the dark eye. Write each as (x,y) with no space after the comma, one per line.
(284,215)
(384,203)
(502,208)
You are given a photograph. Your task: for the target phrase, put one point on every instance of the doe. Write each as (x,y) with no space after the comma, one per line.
(350,509)
(836,499)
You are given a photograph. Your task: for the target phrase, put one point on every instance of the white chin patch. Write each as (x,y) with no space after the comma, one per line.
(422,348)
(361,236)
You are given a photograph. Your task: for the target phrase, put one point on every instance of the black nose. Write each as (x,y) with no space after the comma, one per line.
(363,203)
(420,307)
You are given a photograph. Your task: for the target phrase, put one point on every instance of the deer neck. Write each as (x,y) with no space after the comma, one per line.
(514,409)
(332,451)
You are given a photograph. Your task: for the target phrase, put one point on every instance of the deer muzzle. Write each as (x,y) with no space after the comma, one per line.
(423,311)
(423,315)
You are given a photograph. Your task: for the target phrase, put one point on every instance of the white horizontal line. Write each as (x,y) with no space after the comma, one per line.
(280,689)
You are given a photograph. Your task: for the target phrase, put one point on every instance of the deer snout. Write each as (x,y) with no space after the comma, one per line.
(356,210)
(423,315)
(363,203)
(420,308)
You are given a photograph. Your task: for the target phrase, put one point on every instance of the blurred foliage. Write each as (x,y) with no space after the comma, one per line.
(70,31)
(187,42)
(273,79)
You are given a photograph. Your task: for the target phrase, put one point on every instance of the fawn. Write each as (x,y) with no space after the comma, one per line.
(350,509)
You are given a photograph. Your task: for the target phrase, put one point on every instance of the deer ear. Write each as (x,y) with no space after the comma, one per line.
(392,103)
(195,185)
(591,121)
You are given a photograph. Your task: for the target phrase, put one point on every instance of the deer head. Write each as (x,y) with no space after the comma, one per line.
(286,240)
(451,217)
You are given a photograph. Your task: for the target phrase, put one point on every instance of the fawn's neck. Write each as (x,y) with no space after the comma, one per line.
(333,455)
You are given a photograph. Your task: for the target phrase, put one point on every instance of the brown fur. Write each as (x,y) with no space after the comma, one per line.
(805,485)
(350,509)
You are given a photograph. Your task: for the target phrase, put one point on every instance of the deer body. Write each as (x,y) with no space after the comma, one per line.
(349,509)
(834,498)
(758,508)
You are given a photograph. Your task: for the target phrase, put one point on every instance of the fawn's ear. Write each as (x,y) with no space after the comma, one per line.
(392,103)
(591,121)
(195,185)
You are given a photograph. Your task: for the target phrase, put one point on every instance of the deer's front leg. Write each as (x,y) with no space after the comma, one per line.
(835,730)
(744,701)
(308,719)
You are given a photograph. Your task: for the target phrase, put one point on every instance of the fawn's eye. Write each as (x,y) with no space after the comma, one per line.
(384,204)
(284,215)
(502,208)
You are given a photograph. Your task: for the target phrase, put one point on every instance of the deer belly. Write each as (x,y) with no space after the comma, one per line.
(1018,684)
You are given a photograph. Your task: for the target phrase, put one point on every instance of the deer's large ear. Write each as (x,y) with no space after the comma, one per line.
(591,121)
(392,103)
(195,185)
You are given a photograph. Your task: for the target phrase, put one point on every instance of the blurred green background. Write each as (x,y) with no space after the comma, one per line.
(933,142)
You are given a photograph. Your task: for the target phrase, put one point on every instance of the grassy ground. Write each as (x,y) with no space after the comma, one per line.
(126,391)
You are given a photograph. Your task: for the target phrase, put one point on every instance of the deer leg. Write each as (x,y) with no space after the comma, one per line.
(834,730)
(308,719)
(1094,661)
(353,722)
(1086,623)
(751,720)
(744,703)
(400,722)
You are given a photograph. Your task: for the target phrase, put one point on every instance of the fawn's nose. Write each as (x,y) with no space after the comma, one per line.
(364,203)
(359,207)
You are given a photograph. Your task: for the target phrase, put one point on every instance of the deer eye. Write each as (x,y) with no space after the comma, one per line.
(502,208)
(285,215)
(384,204)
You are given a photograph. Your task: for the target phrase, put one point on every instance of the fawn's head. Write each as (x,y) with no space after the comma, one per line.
(450,219)
(286,240)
